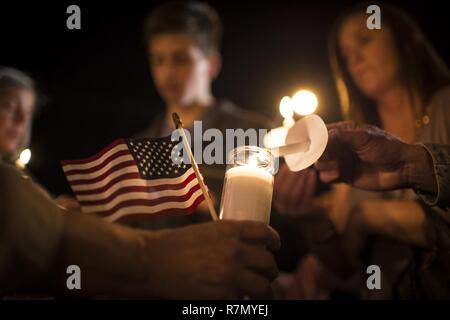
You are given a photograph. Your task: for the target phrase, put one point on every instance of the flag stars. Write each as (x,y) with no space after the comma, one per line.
(158,159)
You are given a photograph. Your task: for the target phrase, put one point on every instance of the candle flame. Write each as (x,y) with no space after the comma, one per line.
(24,158)
(286,108)
(304,102)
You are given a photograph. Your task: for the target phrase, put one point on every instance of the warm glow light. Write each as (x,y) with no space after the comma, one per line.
(304,102)
(275,137)
(253,161)
(288,122)
(24,158)
(286,109)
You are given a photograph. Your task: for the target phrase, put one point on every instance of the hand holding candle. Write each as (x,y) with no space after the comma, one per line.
(248,186)
(304,144)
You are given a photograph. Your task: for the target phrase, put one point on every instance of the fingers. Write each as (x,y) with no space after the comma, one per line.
(349,134)
(329,171)
(283,185)
(323,165)
(350,126)
(259,260)
(355,139)
(330,176)
(258,232)
(253,285)
(300,191)
(343,151)
(292,189)
(341,125)
(255,266)
(304,188)
(311,184)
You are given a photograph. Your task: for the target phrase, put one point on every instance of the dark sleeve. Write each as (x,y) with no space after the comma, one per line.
(435,261)
(441,164)
(31,228)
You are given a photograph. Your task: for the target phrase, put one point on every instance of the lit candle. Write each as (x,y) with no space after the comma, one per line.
(248,185)
(24,158)
(304,102)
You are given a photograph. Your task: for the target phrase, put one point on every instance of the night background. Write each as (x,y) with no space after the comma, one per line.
(95,82)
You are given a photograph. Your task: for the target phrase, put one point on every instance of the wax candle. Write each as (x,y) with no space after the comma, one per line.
(248,185)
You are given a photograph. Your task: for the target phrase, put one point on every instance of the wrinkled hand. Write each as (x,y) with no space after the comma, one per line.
(293,190)
(215,260)
(366,157)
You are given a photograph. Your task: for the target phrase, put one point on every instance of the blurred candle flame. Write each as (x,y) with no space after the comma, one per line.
(286,109)
(304,102)
(24,158)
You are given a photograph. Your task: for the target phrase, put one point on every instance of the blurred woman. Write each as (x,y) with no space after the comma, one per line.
(394,79)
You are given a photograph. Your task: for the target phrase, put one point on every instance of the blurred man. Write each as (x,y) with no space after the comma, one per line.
(183,44)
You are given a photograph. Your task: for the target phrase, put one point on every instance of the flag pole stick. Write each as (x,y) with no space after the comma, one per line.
(179,126)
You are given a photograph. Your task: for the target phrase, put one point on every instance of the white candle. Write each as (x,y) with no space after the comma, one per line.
(247,194)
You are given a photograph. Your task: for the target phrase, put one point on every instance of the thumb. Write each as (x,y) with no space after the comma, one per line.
(354,137)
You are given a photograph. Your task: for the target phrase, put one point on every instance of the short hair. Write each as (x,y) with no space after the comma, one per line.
(11,77)
(193,18)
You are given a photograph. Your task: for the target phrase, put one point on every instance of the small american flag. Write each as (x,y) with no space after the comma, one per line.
(133,177)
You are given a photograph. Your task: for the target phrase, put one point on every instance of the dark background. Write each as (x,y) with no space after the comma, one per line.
(96,85)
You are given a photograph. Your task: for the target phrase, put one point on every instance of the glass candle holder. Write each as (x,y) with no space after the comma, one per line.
(248,185)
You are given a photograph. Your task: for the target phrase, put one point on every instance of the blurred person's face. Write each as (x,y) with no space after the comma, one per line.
(181,71)
(370,55)
(16,109)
